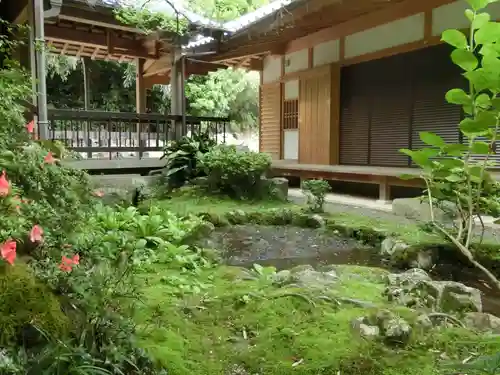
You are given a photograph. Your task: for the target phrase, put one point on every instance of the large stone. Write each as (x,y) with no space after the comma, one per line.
(390,246)
(361,327)
(310,278)
(419,210)
(414,288)
(397,331)
(483,322)
(276,187)
(407,278)
(458,297)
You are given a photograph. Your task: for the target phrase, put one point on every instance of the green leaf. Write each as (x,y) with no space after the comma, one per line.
(432,139)
(480,20)
(421,157)
(479,147)
(454,178)
(452,163)
(488,33)
(483,101)
(472,128)
(482,79)
(454,150)
(469,13)
(455,38)
(457,96)
(479,4)
(407,177)
(464,59)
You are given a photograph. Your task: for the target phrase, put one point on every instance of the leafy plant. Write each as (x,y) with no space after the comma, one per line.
(315,192)
(451,172)
(182,155)
(236,173)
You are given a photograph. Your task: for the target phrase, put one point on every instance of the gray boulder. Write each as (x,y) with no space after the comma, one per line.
(414,288)
(419,210)
(363,328)
(483,322)
(390,246)
(306,276)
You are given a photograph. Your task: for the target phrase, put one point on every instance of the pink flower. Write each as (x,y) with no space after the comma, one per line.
(8,251)
(68,263)
(4,185)
(30,126)
(98,193)
(36,234)
(49,158)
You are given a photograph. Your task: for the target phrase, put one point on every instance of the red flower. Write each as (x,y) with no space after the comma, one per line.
(30,126)
(98,193)
(36,234)
(8,251)
(68,263)
(4,185)
(49,158)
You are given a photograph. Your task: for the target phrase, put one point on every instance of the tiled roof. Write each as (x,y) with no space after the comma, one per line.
(229,27)
(246,20)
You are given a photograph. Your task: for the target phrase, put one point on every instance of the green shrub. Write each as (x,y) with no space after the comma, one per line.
(236,173)
(181,158)
(315,192)
(25,302)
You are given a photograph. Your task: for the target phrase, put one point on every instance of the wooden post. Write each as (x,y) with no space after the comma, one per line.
(140,101)
(176,92)
(384,194)
(39,23)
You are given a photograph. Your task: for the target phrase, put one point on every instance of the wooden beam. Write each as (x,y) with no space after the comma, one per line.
(140,88)
(366,21)
(96,17)
(128,47)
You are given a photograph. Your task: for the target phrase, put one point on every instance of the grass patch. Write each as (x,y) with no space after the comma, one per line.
(235,322)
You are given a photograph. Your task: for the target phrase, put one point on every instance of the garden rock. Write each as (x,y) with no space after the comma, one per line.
(418,210)
(424,260)
(362,327)
(309,221)
(281,186)
(389,246)
(308,277)
(414,288)
(392,328)
(397,331)
(482,322)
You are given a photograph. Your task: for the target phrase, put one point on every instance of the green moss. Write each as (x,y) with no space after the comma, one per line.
(243,322)
(26,302)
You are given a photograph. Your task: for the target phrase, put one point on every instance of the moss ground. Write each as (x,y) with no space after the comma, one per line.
(209,321)
(231,322)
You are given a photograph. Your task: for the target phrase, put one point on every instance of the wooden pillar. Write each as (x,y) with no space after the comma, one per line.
(140,101)
(384,190)
(176,92)
(140,88)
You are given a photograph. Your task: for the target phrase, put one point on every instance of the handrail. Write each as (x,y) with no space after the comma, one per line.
(67,114)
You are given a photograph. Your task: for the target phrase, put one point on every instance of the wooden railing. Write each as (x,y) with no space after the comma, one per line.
(116,135)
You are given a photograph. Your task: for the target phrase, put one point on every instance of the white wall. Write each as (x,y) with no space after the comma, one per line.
(272,69)
(291,90)
(451,16)
(403,31)
(326,53)
(290,144)
(296,61)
